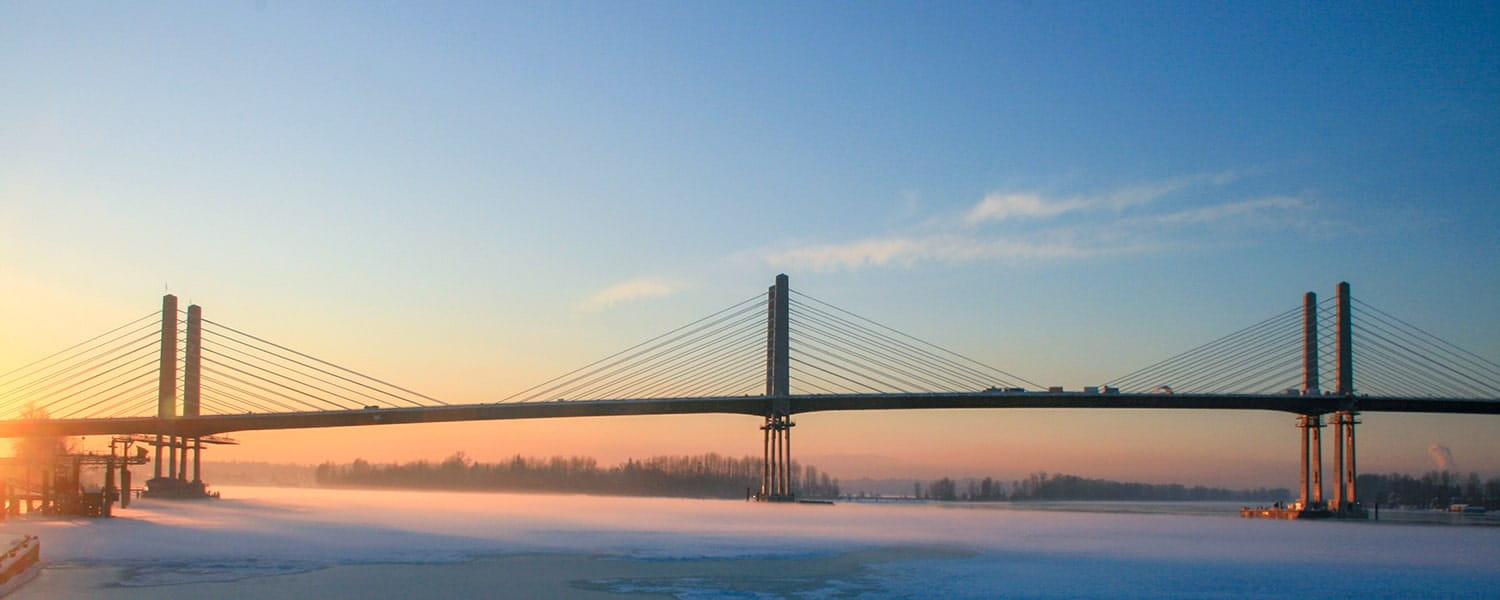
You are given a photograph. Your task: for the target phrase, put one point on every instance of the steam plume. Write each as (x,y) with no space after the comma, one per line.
(1442,456)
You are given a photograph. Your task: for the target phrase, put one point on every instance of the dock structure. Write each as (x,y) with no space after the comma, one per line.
(53,485)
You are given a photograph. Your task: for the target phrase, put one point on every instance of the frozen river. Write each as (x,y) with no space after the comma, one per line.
(279,543)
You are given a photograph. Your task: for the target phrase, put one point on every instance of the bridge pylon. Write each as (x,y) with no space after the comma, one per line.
(776,473)
(1346,500)
(166,387)
(1311,501)
(172,481)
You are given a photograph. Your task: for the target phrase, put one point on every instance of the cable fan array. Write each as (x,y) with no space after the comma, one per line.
(117,374)
(111,374)
(838,352)
(244,373)
(720,355)
(724,355)
(1264,358)
(1391,357)
(1396,358)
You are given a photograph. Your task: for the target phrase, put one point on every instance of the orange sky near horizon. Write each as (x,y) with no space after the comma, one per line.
(1228,448)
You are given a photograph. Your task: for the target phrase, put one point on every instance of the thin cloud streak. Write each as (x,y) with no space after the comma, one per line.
(1095,228)
(632,290)
(952,249)
(1003,206)
(1265,209)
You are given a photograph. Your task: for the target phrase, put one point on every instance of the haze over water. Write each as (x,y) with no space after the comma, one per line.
(275,542)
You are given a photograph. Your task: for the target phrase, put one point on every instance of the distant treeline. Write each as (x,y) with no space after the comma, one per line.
(1056,486)
(1434,489)
(700,476)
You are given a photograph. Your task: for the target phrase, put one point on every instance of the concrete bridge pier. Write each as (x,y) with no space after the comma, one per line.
(776,474)
(1312,461)
(1345,470)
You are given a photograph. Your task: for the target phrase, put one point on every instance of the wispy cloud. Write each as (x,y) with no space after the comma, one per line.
(1274,210)
(1006,206)
(634,289)
(1173,214)
(943,248)
(1003,206)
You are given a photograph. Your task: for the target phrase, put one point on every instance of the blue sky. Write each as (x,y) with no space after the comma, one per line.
(473,197)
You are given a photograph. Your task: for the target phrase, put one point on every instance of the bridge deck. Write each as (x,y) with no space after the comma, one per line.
(746,405)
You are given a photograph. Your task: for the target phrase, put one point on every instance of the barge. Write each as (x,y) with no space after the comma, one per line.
(20,563)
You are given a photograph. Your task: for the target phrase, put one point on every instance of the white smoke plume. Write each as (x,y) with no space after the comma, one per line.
(1442,456)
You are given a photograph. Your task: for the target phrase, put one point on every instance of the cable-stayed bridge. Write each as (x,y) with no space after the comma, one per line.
(742,360)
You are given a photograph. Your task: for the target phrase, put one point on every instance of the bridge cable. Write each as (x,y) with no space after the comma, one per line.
(301,377)
(822,327)
(82,363)
(545,388)
(328,364)
(932,351)
(1242,355)
(669,353)
(644,363)
(1419,360)
(1488,365)
(74,346)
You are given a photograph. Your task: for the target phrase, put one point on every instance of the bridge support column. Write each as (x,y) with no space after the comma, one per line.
(1337,504)
(1312,460)
(1350,471)
(776,476)
(1345,498)
(1302,483)
(1317,459)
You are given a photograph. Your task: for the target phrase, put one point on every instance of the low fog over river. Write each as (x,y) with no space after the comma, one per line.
(281,542)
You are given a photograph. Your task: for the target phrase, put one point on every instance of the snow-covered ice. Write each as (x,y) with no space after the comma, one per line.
(960,551)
